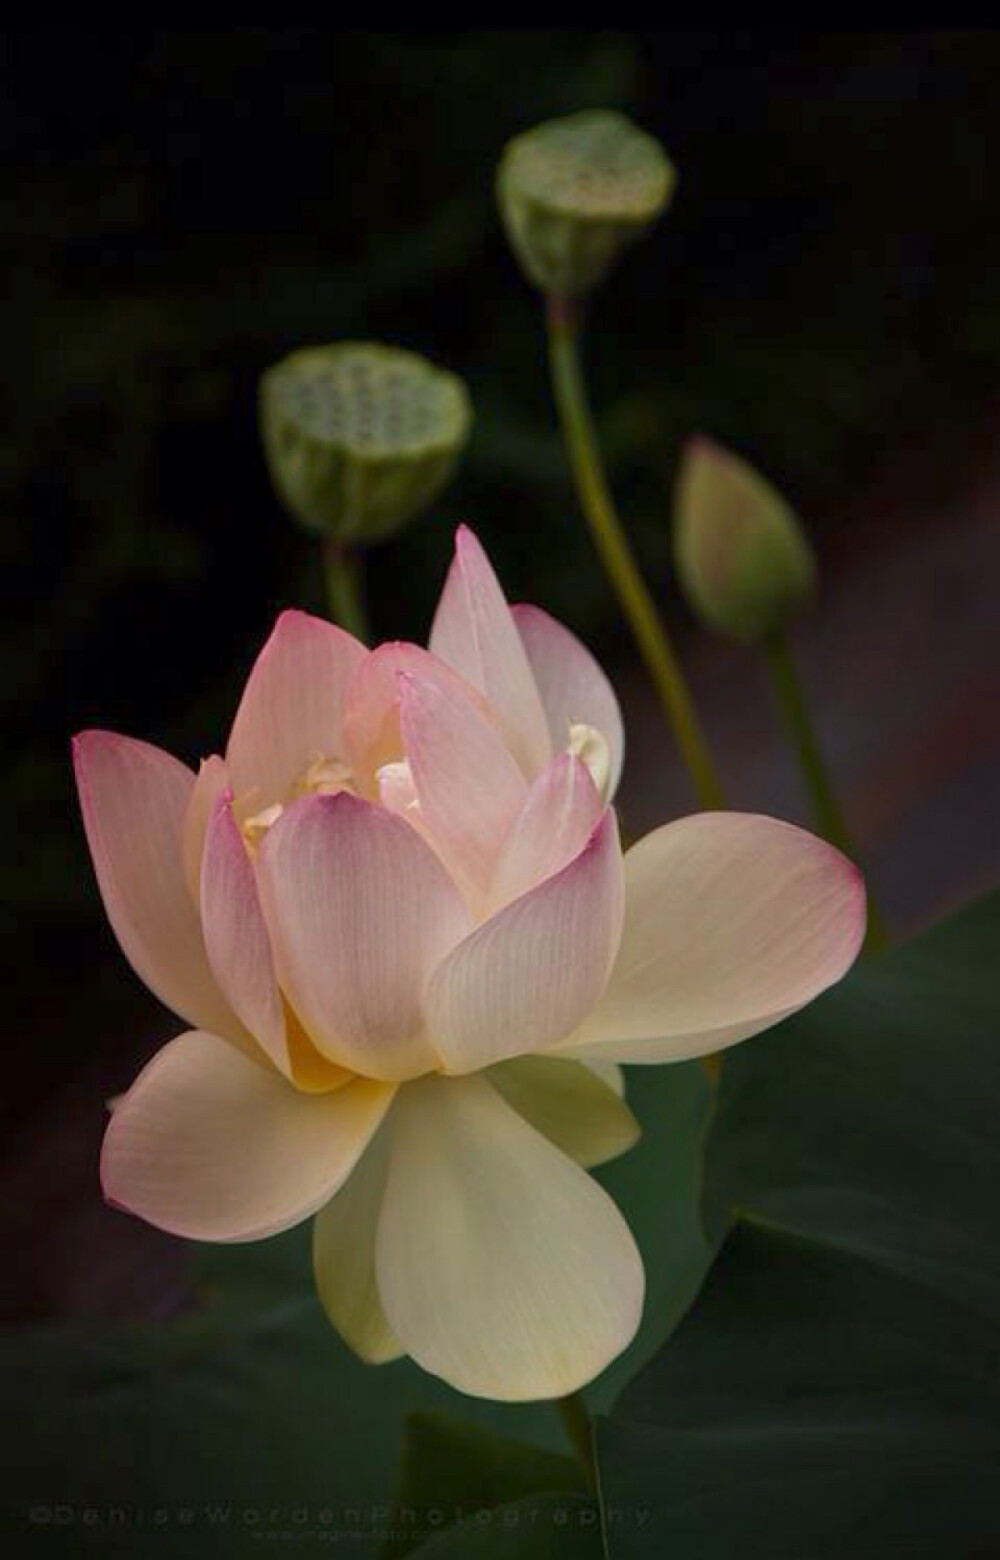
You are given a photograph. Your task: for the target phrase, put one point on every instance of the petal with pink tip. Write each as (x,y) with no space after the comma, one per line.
(371,715)
(502,1266)
(469,788)
(291,711)
(529,975)
(732,921)
(360,911)
(134,799)
(208,1145)
(560,812)
(236,939)
(211,783)
(474,632)
(573,688)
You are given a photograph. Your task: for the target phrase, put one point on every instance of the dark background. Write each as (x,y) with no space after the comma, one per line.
(180,208)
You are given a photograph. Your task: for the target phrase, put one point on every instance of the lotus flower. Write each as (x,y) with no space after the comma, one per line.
(397,918)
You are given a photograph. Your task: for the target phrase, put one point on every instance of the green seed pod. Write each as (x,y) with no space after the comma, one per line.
(742,558)
(573,192)
(360,437)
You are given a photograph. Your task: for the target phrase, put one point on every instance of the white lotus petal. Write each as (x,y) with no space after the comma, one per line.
(502,1266)
(211,1146)
(732,921)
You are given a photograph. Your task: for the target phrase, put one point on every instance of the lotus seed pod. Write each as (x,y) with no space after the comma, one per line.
(359,438)
(742,558)
(573,192)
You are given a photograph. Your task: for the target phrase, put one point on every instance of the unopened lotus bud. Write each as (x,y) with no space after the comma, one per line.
(742,558)
(574,192)
(360,437)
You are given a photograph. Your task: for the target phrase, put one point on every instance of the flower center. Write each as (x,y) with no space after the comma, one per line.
(322,777)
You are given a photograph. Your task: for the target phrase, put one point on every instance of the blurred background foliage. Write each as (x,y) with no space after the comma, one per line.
(182,207)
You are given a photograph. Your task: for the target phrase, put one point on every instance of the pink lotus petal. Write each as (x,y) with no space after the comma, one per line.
(560,812)
(474,632)
(502,1266)
(469,788)
(528,976)
(210,1146)
(236,939)
(211,784)
(290,713)
(732,921)
(371,717)
(360,911)
(573,688)
(134,799)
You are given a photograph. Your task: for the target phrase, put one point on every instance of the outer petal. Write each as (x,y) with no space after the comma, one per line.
(236,939)
(569,1105)
(502,1266)
(732,921)
(211,784)
(559,814)
(360,911)
(134,799)
(210,1146)
(528,976)
(291,709)
(344,1258)
(574,690)
(609,1073)
(474,632)
(469,788)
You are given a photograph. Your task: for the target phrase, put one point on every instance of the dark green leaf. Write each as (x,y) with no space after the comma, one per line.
(545,1527)
(835,1390)
(452,1470)
(657,1186)
(250,1414)
(870,1120)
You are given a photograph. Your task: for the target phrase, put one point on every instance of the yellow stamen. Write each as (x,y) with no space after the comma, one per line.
(312,1072)
(322,777)
(256,827)
(588,745)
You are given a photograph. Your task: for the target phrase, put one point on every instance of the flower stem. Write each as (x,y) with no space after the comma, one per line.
(827,811)
(615,553)
(572,1410)
(711,1066)
(343,574)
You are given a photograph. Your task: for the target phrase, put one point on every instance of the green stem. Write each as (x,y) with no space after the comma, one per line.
(572,1410)
(827,811)
(616,554)
(711,1066)
(343,573)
